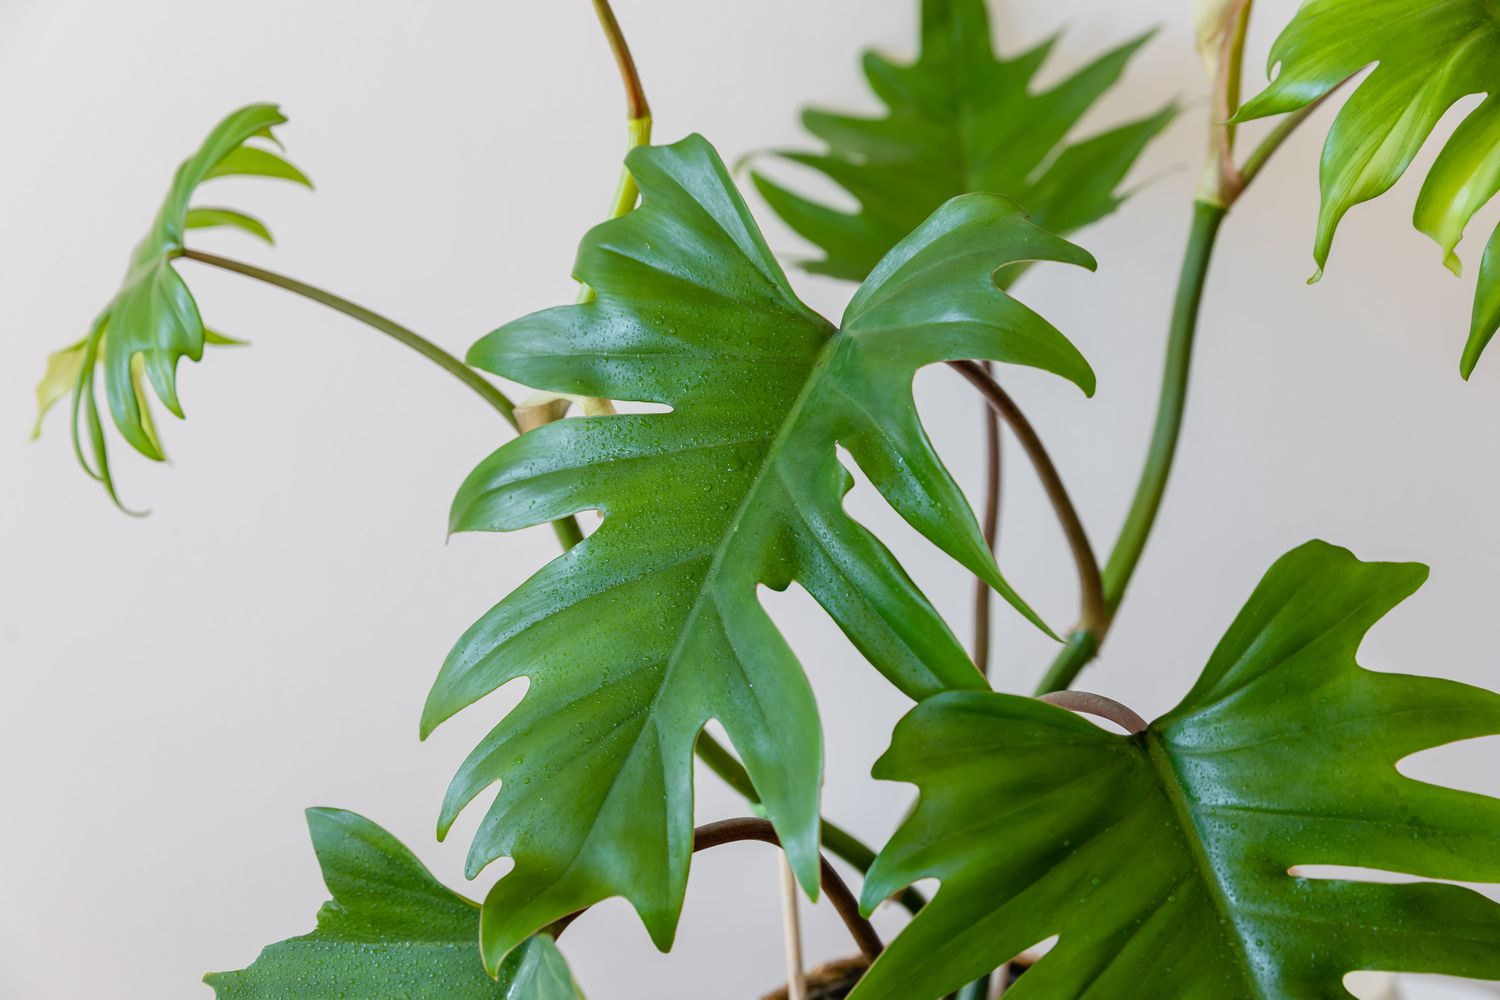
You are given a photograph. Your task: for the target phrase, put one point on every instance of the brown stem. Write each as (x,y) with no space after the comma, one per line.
(730,831)
(636,105)
(1090,584)
(1089,703)
(990,523)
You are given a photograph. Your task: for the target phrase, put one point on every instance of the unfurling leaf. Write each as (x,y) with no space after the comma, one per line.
(651,627)
(152,321)
(64,367)
(1161,860)
(961,121)
(391,932)
(1427,57)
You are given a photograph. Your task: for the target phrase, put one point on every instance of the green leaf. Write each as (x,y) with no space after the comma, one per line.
(961,120)
(391,932)
(58,380)
(207,218)
(152,321)
(1162,860)
(65,366)
(651,627)
(1427,57)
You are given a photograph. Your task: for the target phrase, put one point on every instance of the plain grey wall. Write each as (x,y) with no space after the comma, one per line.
(176,689)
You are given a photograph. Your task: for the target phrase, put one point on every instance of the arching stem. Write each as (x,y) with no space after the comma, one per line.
(731,831)
(567,528)
(1091,592)
(1088,703)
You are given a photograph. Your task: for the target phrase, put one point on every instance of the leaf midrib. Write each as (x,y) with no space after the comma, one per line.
(731,532)
(1174,789)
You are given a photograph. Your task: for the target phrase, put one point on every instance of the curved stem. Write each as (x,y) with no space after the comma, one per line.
(636,105)
(1088,703)
(567,528)
(1276,137)
(638,120)
(1207,219)
(990,524)
(838,841)
(396,331)
(731,831)
(1092,607)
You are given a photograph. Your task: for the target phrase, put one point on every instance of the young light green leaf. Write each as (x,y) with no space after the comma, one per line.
(1161,860)
(64,367)
(252,161)
(152,321)
(651,627)
(961,120)
(58,380)
(1427,57)
(391,932)
(208,218)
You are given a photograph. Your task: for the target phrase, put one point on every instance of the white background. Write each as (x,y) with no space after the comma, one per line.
(176,689)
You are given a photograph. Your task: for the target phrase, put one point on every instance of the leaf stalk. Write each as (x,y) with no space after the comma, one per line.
(749,828)
(567,528)
(1171,407)
(1092,610)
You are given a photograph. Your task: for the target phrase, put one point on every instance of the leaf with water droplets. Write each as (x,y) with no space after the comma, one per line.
(739,486)
(1181,837)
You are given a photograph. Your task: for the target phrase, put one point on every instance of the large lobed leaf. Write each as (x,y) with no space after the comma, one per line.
(391,932)
(152,322)
(1162,859)
(1427,57)
(961,120)
(651,627)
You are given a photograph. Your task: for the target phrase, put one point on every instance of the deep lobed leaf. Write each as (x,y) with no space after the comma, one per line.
(1162,860)
(961,120)
(152,322)
(1427,57)
(651,627)
(390,932)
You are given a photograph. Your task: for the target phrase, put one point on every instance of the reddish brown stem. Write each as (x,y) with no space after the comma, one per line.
(990,523)
(729,831)
(1096,704)
(635,95)
(1090,585)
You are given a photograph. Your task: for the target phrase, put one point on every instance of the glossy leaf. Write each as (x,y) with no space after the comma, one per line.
(1427,57)
(64,367)
(391,932)
(961,120)
(153,321)
(640,635)
(1162,860)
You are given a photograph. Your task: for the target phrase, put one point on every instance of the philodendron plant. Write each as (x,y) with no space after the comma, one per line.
(1163,857)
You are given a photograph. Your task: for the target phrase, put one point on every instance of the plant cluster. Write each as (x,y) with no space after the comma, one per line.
(1163,858)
